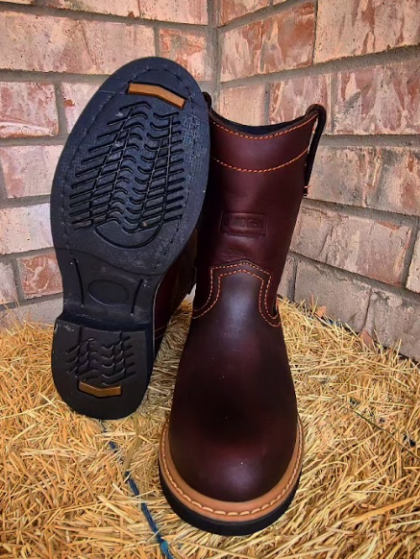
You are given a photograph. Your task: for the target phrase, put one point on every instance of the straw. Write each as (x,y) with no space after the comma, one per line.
(64,490)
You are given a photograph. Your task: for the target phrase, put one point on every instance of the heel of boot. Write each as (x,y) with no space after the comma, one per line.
(98,372)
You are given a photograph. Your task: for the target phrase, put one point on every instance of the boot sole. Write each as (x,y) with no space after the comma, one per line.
(126,197)
(223,517)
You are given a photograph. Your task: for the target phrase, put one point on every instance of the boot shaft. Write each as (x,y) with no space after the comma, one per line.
(258,176)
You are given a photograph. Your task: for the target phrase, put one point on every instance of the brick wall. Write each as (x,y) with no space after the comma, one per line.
(53,56)
(357,245)
(356,249)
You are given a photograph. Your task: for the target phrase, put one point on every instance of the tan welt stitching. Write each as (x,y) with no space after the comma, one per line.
(242,170)
(243,513)
(260,308)
(267,137)
(243,263)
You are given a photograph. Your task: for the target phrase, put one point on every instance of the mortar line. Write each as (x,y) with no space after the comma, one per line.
(374,284)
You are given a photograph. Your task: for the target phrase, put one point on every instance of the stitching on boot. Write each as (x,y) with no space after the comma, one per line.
(269,136)
(277,324)
(243,513)
(243,170)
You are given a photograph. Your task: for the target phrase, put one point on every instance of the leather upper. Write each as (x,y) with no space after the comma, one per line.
(177,283)
(233,422)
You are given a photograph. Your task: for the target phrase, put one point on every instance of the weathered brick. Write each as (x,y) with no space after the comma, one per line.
(380,178)
(189,49)
(356,27)
(18,1)
(370,248)
(125,8)
(345,298)
(24,229)
(290,98)
(413,281)
(76,96)
(28,170)
(279,42)
(44,312)
(8,292)
(392,318)
(39,275)
(345,175)
(27,109)
(286,286)
(57,44)
(179,11)
(398,183)
(243,104)
(232,9)
(379,100)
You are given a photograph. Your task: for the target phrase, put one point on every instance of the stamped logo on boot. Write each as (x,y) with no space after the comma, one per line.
(243,224)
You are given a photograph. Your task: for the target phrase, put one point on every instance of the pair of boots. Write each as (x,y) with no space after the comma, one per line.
(127,196)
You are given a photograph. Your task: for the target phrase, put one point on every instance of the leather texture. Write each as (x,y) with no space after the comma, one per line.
(232,428)
(177,283)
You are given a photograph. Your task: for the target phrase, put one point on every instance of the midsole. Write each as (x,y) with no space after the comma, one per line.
(229,511)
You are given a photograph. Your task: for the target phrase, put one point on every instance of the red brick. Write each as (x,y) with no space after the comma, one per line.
(25,229)
(356,27)
(189,49)
(380,178)
(125,8)
(178,11)
(76,96)
(379,100)
(232,9)
(376,249)
(345,298)
(28,170)
(413,281)
(345,175)
(39,275)
(393,317)
(243,104)
(8,292)
(279,42)
(57,44)
(399,180)
(27,109)
(290,98)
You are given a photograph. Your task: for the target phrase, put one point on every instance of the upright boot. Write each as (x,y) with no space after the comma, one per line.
(127,194)
(231,453)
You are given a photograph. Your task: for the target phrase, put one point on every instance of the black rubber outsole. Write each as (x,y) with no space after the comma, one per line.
(127,194)
(225,528)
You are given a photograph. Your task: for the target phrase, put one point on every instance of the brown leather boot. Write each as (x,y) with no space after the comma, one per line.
(231,453)
(177,283)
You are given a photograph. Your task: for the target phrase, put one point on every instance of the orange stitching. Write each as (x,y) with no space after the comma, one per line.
(260,170)
(269,136)
(224,267)
(219,289)
(243,513)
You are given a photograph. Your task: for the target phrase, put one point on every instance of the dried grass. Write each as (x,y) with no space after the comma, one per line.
(62,491)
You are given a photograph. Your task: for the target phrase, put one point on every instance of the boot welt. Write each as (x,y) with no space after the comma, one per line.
(224,517)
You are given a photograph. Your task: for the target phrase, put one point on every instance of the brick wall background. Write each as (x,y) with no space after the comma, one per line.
(356,249)
(53,56)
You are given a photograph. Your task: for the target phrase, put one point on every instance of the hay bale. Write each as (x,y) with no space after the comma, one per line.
(63,491)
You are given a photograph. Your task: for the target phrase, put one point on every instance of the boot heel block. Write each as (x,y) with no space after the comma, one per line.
(96,371)
(126,197)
